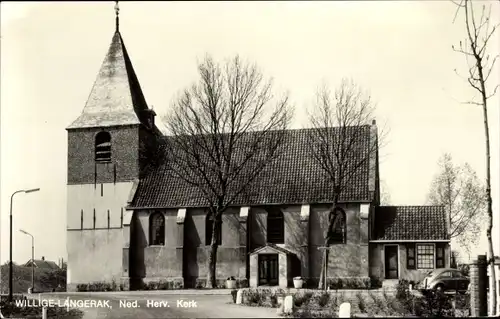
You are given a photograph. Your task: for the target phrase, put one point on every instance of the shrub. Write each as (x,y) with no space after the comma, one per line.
(309,313)
(361,303)
(302,299)
(242,283)
(200,284)
(403,289)
(380,302)
(375,282)
(255,297)
(323,299)
(82,287)
(97,286)
(349,283)
(406,300)
(234,293)
(262,297)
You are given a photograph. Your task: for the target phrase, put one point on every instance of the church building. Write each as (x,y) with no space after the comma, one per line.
(130,222)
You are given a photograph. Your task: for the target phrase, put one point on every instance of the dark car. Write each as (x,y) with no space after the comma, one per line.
(445,279)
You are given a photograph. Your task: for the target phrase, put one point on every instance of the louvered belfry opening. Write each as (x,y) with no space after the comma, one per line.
(275,226)
(103,147)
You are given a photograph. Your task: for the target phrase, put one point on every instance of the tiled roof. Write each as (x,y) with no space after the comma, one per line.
(116,97)
(410,223)
(44,264)
(293,178)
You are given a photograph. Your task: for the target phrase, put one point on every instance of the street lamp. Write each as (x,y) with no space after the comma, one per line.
(32,259)
(10,256)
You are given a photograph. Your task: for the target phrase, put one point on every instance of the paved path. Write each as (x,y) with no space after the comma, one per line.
(158,305)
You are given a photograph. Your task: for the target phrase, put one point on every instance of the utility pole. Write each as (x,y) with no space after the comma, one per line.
(32,259)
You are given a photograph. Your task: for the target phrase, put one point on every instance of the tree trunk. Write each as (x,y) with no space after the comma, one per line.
(212,257)
(331,226)
(493,281)
(322,273)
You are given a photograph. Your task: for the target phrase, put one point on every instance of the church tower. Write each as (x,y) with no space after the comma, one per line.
(109,146)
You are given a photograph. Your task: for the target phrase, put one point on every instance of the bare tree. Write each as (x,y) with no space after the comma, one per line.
(385,196)
(458,189)
(481,62)
(338,144)
(225,129)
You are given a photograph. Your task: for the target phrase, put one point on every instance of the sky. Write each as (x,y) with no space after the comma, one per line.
(399,51)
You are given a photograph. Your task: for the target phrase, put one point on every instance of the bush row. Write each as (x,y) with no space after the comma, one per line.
(162,285)
(432,304)
(345,283)
(325,304)
(99,286)
(200,283)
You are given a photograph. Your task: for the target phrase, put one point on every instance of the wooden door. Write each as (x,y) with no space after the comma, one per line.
(268,269)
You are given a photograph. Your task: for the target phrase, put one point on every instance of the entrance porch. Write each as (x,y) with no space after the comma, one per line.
(271,265)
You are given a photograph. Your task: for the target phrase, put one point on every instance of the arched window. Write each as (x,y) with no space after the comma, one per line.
(339,229)
(157,229)
(103,147)
(209,222)
(275,226)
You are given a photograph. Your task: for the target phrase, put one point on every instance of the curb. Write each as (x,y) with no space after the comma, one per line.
(192,292)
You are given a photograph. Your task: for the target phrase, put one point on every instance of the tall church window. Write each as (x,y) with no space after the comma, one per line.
(275,226)
(339,229)
(157,229)
(103,147)
(209,222)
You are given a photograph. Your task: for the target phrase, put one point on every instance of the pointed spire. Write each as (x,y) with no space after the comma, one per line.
(117,12)
(116,97)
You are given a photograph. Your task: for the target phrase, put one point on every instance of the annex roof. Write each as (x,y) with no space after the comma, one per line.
(410,223)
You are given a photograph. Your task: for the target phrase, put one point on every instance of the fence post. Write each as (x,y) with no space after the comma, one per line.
(44,312)
(478,286)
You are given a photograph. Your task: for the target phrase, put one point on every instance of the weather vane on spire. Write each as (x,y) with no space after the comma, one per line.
(117,12)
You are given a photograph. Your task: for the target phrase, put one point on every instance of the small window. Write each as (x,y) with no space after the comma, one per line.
(446,274)
(425,256)
(157,229)
(103,147)
(209,222)
(410,256)
(275,226)
(339,227)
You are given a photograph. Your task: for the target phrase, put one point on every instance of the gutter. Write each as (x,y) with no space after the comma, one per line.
(411,241)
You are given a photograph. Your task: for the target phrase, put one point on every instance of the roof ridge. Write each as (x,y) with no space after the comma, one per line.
(282,130)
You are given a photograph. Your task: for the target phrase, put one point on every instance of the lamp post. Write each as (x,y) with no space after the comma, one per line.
(10,253)
(32,259)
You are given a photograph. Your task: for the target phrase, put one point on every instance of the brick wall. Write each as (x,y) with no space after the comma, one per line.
(478,285)
(124,165)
